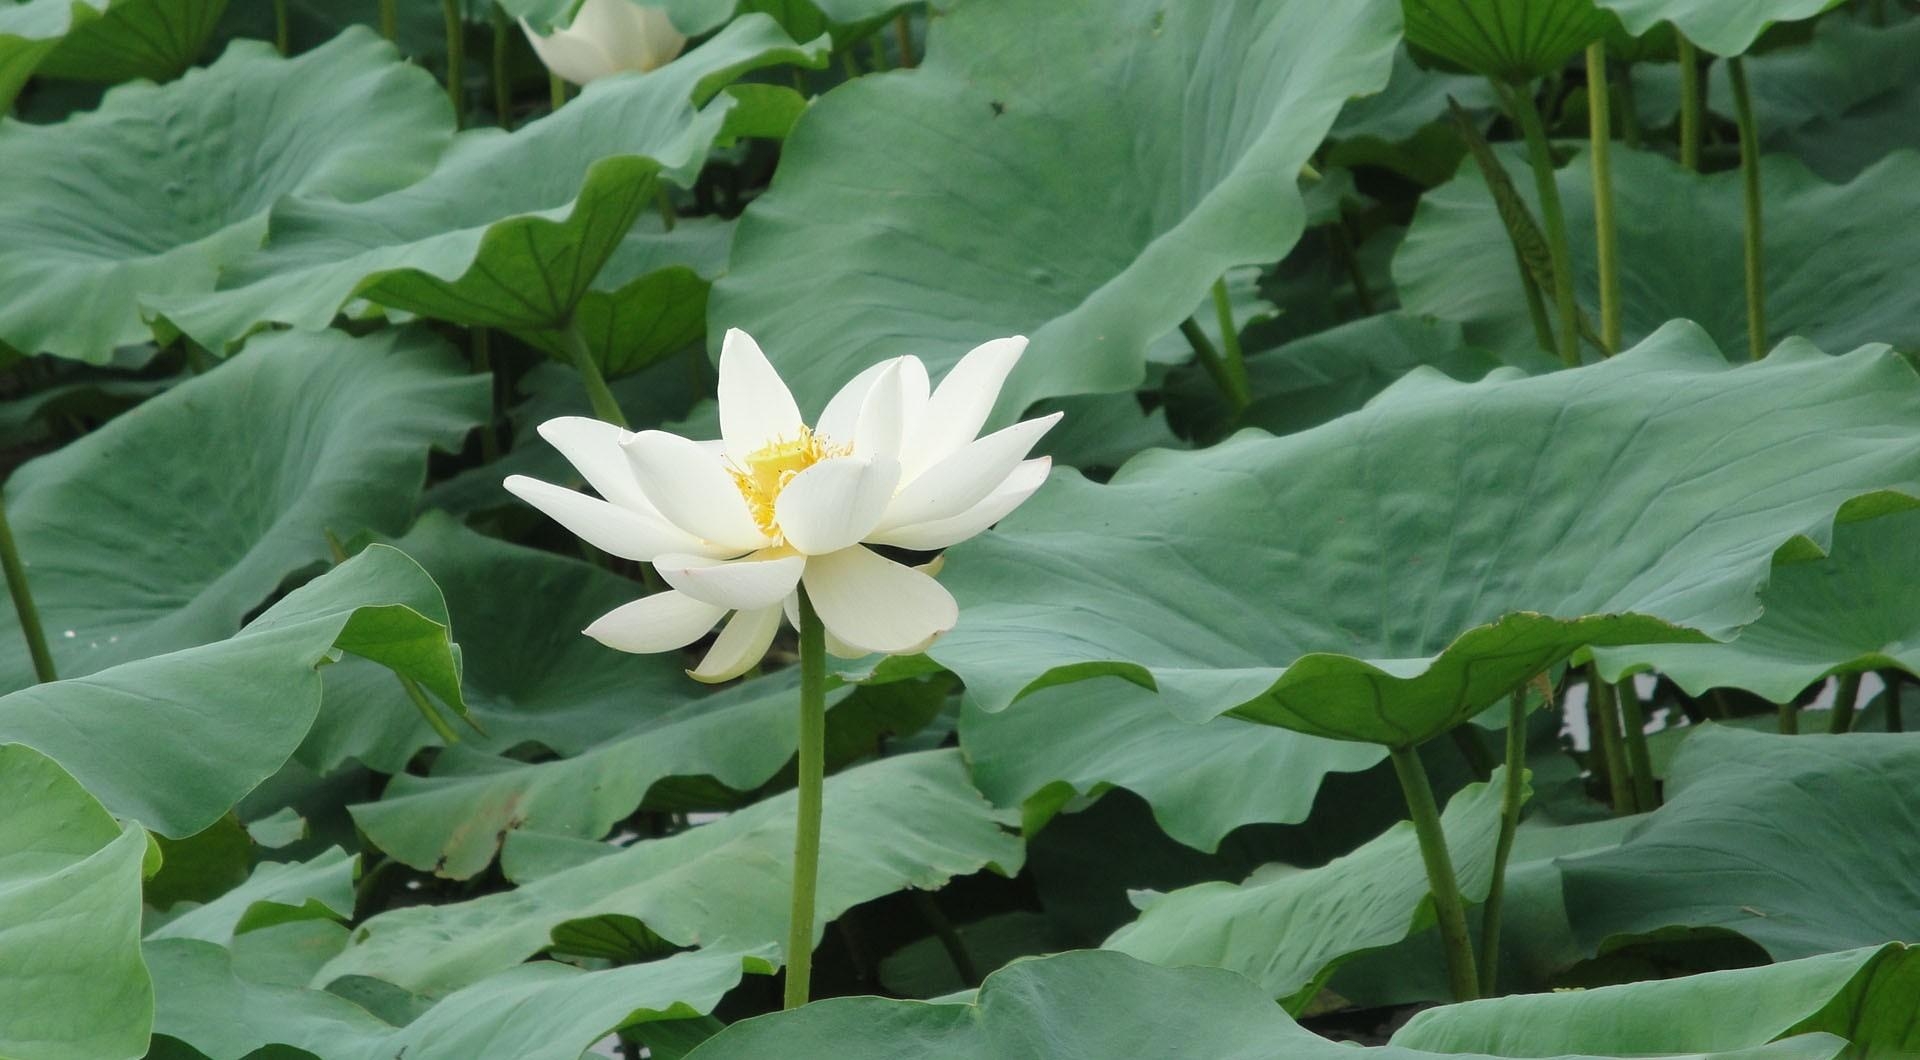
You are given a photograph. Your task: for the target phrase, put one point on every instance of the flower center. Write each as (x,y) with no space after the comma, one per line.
(768,469)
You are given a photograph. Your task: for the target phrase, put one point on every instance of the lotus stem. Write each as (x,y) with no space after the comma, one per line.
(1606,245)
(663,197)
(282,28)
(1209,358)
(456,55)
(1448,907)
(1629,110)
(1750,185)
(1604,713)
(425,706)
(390,19)
(1512,791)
(1895,723)
(1540,156)
(903,36)
(1234,362)
(1844,699)
(1536,305)
(1690,108)
(556,91)
(604,406)
(16,572)
(1633,726)
(806,833)
(502,86)
(949,937)
(1789,719)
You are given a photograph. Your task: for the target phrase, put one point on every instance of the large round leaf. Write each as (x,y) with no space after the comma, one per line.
(511,229)
(1389,574)
(101,40)
(926,211)
(162,186)
(539,1011)
(1865,996)
(175,740)
(1203,780)
(1758,831)
(1724,27)
(164,528)
(1851,612)
(910,821)
(1287,929)
(1680,253)
(71,983)
(1515,40)
(1081,1004)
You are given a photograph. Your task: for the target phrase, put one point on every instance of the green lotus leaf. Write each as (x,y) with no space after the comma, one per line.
(1515,40)
(511,228)
(101,40)
(908,821)
(1846,614)
(925,211)
(1203,780)
(1388,575)
(1680,253)
(650,299)
(174,741)
(72,986)
(530,676)
(164,185)
(1864,995)
(1723,27)
(1095,1003)
(276,893)
(1756,830)
(1414,99)
(539,1011)
(169,525)
(1287,929)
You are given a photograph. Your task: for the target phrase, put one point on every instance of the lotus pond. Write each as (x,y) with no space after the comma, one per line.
(959,530)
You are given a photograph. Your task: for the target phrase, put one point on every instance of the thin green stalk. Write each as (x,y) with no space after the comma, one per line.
(948,935)
(1844,699)
(390,19)
(1690,109)
(1536,306)
(1789,719)
(1750,183)
(502,85)
(1629,111)
(483,365)
(1600,153)
(1605,714)
(1235,363)
(1512,792)
(456,26)
(877,46)
(604,406)
(1466,739)
(23,602)
(663,197)
(1633,725)
(1540,156)
(806,834)
(903,36)
(1894,678)
(1448,907)
(420,703)
(282,28)
(556,91)
(1210,360)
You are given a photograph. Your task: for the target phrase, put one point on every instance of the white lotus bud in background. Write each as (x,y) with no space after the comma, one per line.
(608,37)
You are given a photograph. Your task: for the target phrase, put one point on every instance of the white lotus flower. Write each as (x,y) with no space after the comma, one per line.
(738,524)
(608,37)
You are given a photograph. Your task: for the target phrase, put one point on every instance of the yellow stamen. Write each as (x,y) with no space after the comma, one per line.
(769,468)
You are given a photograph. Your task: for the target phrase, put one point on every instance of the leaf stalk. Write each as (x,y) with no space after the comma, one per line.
(1449,909)
(812,777)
